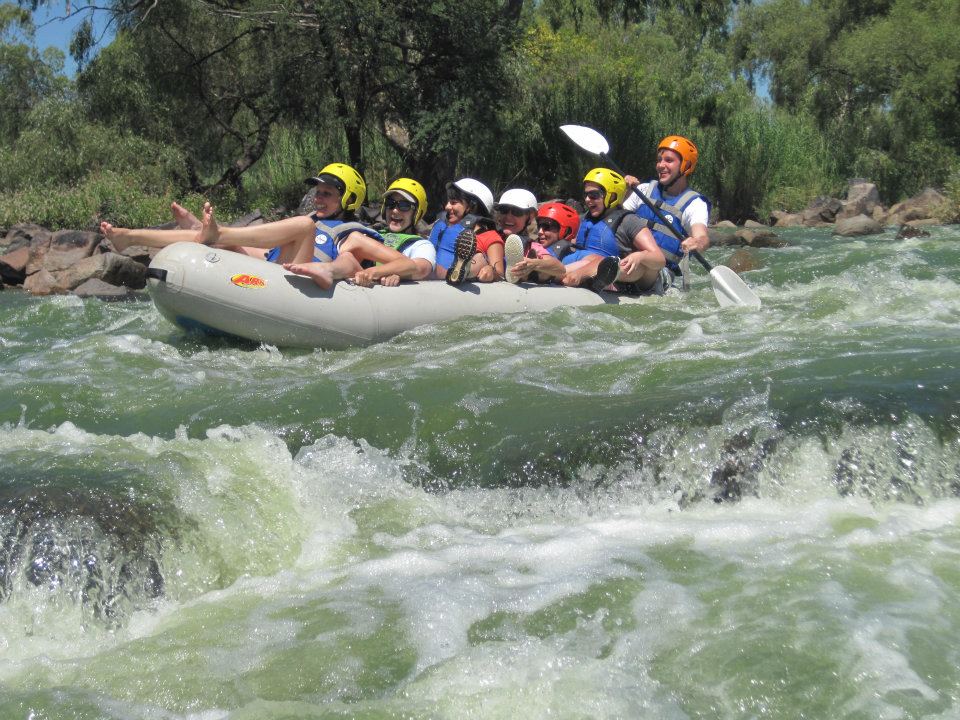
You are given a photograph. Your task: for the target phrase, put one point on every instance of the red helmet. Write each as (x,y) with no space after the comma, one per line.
(563,215)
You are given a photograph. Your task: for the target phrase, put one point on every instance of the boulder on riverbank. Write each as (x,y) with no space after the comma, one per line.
(856,226)
(83,262)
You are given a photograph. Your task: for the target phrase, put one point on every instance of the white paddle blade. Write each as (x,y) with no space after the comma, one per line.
(587,138)
(731,290)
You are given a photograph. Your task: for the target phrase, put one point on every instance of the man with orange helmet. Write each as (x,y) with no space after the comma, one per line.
(687,211)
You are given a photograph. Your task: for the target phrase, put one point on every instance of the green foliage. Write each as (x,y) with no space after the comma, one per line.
(118,198)
(60,147)
(26,77)
(241,102)
(757,160)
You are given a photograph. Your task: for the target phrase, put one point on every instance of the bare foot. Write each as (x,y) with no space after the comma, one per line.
(209,231)
(116,236)
(184,218)
(364,278)
(320,274)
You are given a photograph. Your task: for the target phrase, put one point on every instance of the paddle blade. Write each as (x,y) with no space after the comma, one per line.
(731,290)
(587,138)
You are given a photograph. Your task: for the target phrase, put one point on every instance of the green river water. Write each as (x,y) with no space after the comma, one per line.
(660,511)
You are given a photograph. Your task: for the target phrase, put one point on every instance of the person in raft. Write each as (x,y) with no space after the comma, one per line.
(404,204)
(687,210)
(461,232)
(513,215)
(327,245)
(613,245)
(539,260)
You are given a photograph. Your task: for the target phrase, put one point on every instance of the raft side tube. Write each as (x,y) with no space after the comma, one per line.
(238,295)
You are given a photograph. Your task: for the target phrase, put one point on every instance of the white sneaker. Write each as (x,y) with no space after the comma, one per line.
(513,252)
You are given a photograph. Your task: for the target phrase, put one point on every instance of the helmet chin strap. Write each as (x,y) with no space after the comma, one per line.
(672,182)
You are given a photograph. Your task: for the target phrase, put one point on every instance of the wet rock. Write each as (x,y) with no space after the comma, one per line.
(856,226)
(760,237)
(754,225)
(780,218)
(725,225)
(741,261)
(862,199)
(929,204)
(911,231)
(43,282)
(21,235)
(721,236)
(13,266)
(65,249)
(822,211)
(101,551)
(100,289)
(109,267)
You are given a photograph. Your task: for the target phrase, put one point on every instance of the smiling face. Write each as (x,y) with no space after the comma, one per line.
(456,207)
(512,220)
(399,212)
(326,200)
(593,195)
(548,231)
(668,166)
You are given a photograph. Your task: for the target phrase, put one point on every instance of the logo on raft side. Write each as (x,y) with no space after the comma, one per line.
(248,281)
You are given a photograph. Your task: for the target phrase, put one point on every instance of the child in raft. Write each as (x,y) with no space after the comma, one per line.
(513,215)
(539,261)
(327,245)
(465,230)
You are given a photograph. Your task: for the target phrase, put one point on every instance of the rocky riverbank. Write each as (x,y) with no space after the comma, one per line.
(85,263)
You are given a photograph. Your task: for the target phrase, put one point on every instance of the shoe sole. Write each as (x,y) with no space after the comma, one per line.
(513,252)
(607,272)
(464,249)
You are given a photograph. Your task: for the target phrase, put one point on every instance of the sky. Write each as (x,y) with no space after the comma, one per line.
(52,31)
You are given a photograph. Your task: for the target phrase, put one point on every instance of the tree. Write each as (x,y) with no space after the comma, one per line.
(26,77)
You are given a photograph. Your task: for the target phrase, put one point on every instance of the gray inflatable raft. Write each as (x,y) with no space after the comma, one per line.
(227,293)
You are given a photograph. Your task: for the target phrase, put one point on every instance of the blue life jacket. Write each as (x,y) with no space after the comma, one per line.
(326,241)
(444,236)
(598,236)
(672,210)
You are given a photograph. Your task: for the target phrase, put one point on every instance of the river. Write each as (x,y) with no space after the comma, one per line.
(660,511)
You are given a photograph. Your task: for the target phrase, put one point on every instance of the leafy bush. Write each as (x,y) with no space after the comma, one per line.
(110,196)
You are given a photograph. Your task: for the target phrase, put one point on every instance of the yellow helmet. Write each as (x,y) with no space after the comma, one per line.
(353,190)
(613,184)
(413,191)
(684,148)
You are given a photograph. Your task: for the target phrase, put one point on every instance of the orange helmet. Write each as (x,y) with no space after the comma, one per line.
(564,215)
(685,149)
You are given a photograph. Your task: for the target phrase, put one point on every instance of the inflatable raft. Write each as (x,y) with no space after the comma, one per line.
(227,293)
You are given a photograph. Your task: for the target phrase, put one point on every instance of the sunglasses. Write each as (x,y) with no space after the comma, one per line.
(510,210)
(401,205)
(593,194)
(548,225)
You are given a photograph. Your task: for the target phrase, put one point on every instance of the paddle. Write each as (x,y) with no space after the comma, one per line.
(727,286)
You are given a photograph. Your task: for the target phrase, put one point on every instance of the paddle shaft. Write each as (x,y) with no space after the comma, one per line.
(660,216)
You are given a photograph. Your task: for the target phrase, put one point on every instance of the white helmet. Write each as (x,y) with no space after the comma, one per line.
(476,189)
(523,199)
